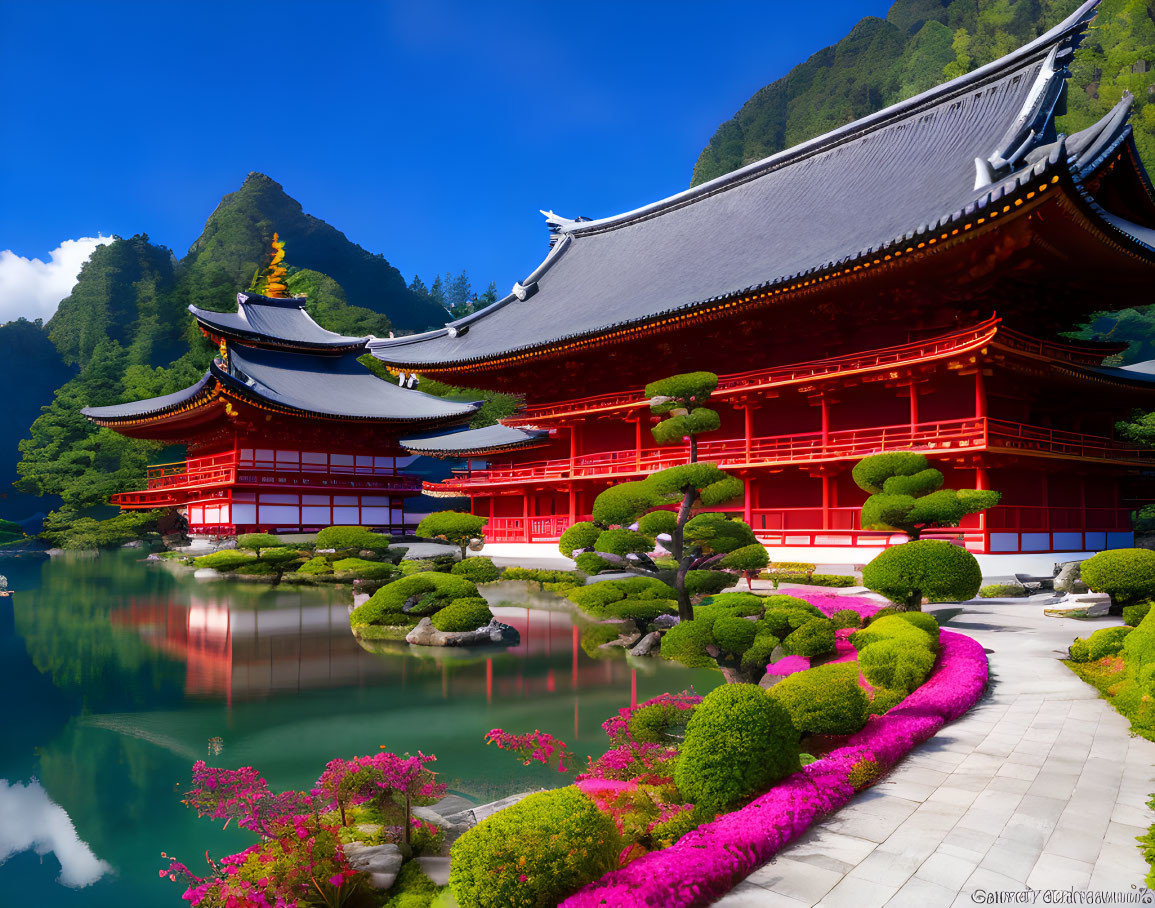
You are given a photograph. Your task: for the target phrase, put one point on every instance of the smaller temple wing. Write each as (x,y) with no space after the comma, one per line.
(475,442)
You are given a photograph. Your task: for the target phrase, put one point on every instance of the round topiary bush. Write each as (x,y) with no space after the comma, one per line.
(351,538)
(651,724)
(227,560)
(734,635)
(927,568)
(534,853)
(1079,650)
(463,615)
(813,638)
(885,700)
(417,594)
(581,535)
(1107,642)
(479,569)
(826,700)
(591,563)
(760,652)
(316,565)
(738,743)
(846,618)
(740,604)
(895,664)
(706,583)
(1134,614)
(686,642)
(1126,575)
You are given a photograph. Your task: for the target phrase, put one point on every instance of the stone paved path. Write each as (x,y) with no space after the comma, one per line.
(1040,785)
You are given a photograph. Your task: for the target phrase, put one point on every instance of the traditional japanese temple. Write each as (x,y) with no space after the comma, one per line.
(286,431)
(900,283)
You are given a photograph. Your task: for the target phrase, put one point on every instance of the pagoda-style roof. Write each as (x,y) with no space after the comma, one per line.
(968,151)
(476,442)
(153,406)
(275,323)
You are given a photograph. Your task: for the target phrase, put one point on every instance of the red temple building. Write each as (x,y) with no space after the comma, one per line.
(286,431)
(901,283)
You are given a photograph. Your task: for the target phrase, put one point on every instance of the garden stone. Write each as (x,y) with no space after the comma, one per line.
(777,653)
(665,622)
(1096,604)
(429,815)
(769,680)
(451,804)
(475,815)
(133,544)
(648,645)
(1069,578)
(381,862)
(425,634)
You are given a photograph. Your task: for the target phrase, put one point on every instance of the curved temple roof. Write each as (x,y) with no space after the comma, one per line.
(486,440)
(148,407)
(279,322)
(884,179)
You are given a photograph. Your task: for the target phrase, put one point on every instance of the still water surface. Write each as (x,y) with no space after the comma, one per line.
(117,675)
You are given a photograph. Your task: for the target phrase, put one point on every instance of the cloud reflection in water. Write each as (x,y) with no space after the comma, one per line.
(29,819)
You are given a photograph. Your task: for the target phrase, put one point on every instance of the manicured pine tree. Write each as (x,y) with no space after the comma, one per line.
(682,400)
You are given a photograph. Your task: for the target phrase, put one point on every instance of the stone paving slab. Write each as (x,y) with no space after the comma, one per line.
(1040,785)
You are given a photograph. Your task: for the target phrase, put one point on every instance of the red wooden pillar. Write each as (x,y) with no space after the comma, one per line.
(983,482)
(825,404)
(748,427)
(572,505)
(638,444)
(525,515)
(825,500)
(748,502)
(913,408)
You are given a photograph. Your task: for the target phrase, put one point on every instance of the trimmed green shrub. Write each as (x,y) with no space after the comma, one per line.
(539,576)
(896,653)
(479,569)
(1126,575)
(813,638)
(454,527)
(936,570)
(534,853)
(1079,650)
(581,535)
(893,627)
(351,538)
(760,652)
(885,700)
(319,564)
(281,555)
(371,570)
(738,742)
(686,642)
(463,615)
(1139,647)
(1003,591)
(256,568)
(707,583)
(881,613)
(734,635)
(922,621)
(254,542)
(623,542)
(643,611)
(592,563)
(412,888)
(747,558)
(1134,614)
(736,604)
(429,590)
(225,561)
(1107,642)
(782,622)
(642,598)
(832,580)
(826,700)
(781,600)
(845,618)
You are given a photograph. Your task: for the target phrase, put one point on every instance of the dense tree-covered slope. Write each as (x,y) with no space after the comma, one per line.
(235,245)
(922,43)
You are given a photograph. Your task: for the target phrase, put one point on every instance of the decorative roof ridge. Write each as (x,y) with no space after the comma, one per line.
(1065,35)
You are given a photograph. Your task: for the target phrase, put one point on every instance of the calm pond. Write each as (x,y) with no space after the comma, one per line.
(117,675)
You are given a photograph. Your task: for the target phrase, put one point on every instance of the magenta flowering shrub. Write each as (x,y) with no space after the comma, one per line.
(649,763)
(300,857)
(829,603)
(535,745)
(618,727)
(705,863)
(787,665)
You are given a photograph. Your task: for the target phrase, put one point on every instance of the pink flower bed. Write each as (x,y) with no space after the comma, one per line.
(829,603)
(788,665)
(706,863)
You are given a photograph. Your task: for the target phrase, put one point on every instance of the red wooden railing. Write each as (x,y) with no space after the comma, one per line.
(903,354)
(849,444)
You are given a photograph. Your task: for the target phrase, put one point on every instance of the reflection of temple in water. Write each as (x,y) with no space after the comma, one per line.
(249,654)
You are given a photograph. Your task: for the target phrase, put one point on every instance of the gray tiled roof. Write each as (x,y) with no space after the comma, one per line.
(147,407)
(475,441)
(259,318)
(881,180)
(330,386)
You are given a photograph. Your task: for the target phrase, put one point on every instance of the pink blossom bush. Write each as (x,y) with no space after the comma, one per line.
(618,727)
(829,603)
(787,665)
(705,863)
(535,745)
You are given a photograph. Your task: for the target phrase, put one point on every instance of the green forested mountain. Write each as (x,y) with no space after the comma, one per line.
(922,43)
(235,245)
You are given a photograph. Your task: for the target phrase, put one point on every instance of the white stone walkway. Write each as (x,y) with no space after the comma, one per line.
(1040,785)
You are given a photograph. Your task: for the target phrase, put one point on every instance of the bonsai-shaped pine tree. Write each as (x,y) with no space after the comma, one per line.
(906,495)
(682,400)
(454,527)
(704,541)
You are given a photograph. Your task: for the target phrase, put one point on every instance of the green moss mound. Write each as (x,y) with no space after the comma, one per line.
(534,853)
(686,642)
(359,567)
(316,566)
(478,570)
(416,595)
(463,615)
(813,638)
(825,700)
(226,561)
(738,743)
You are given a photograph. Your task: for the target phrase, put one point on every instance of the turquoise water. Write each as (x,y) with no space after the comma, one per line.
(117,675)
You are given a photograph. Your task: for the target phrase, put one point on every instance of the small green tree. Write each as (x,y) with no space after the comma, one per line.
(931,568)
(682,400)
(254,542)
(695,542)
(454,527)
(906,495)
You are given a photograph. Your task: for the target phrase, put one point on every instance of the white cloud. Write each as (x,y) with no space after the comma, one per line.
(31,819)
(33,288)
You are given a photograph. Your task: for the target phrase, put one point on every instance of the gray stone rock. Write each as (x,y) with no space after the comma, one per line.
(206,573)
(777,653)
(451,804)
(665,622)
(1069,578)
(133,544)
(381,862)
(1096,604)
(475,815)
(648,645)
(425,634)
(768,681)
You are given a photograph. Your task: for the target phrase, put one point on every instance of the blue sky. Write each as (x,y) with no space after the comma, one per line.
(430,131)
